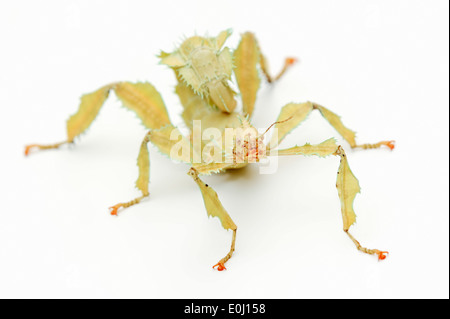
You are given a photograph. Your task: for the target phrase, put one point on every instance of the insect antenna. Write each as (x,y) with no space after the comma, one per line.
(278,122)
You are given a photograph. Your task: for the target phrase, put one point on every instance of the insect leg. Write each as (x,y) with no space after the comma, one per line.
(89,107)
(143,163)
(246,58)
(293,114)
(142,98)
(166,140)
(347,185)
(264,65)
(264,68)
(214,208)
(346,133)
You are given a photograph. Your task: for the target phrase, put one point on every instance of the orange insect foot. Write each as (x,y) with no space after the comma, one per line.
(290,60)
(114,209)
(220,266)
(390,144)
(382,255)
(28,148)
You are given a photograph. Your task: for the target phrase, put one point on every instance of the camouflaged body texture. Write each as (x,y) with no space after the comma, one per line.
(203,66)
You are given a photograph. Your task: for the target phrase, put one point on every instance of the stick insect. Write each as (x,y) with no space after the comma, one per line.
(206,71)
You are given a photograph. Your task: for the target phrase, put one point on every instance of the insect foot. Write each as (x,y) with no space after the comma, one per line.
(390,144)
(381,254)
(290,61)
(127,204)
(29,147)
(220,266)
(113,209)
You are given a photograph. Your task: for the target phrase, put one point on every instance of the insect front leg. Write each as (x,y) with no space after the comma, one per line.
(347,184)
(246,59)
(142,98)
(288,62)
(214,208)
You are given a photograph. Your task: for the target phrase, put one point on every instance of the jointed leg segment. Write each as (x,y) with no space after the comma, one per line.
(214,208)
(346,133)
(29,147)
(144,176)
(142,98)
(347,185)
(381,254)
(221,264)
(90,105)
(127,204)
(246,59)
(161,139)
(390,144)
(298,112)
(288,62)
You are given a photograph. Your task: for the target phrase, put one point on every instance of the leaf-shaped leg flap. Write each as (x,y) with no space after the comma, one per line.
(246,58)
(214,208)
(166,140)
(143,163)
(347,185)
(78,123)
(347,134)
(142,98)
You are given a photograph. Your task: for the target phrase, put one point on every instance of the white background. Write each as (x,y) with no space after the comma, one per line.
(381,65)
